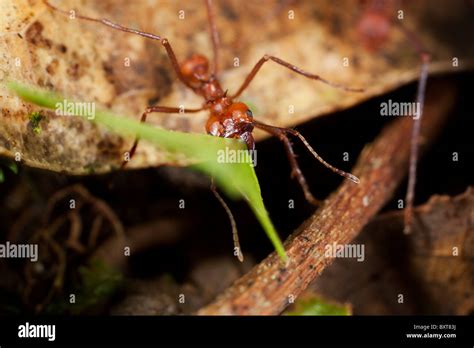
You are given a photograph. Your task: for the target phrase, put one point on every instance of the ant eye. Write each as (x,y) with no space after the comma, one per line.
(249,113)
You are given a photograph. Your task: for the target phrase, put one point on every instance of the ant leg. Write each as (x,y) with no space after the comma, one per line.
(415,134)
(414,145)
(235,233)
(163,41)
(293,68)
(149,110)
(214,37)
(296,171)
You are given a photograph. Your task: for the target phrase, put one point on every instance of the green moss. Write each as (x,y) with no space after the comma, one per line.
(11,165)
(97,284)
(316,306)
(35,119)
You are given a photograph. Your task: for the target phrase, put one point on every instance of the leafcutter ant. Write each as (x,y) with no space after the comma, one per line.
(228,117)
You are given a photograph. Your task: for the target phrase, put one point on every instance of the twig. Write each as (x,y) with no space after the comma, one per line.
(269,287)
(141,237)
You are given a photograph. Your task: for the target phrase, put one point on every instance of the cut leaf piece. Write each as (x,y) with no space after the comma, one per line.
(235,179)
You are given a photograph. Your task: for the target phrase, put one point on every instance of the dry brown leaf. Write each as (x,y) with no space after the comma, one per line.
(432,268)
(86,61)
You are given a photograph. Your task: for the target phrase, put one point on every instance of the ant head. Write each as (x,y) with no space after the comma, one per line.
(195,69)
(241,118)
(236,121)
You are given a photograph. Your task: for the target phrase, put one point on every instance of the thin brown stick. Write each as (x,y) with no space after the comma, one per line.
(74,239)
(95,230)
(269,286)
(141,237)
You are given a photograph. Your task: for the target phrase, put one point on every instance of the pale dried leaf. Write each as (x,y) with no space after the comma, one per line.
(86,61)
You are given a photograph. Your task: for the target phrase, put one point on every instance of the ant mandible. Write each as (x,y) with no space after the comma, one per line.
(228,118)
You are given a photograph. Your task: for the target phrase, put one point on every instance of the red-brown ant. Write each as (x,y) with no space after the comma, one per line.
(374,27)
(227,117)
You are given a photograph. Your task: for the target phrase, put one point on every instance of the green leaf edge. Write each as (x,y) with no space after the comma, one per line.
(235,179)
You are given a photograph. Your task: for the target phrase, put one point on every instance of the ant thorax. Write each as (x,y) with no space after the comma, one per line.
(195,71)
(211,89)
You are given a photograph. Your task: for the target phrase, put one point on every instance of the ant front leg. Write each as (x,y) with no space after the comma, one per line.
(281,133)
(214,37)
(152,109)
(293,68)
(164,42)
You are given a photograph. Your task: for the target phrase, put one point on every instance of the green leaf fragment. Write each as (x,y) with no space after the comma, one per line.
(317,306)
(237,180)
(35,118)
(96,284)
(13,167)
(99,281)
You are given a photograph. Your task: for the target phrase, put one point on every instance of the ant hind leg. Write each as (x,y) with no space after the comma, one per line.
(425,59)
(281,133)
(293,68)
